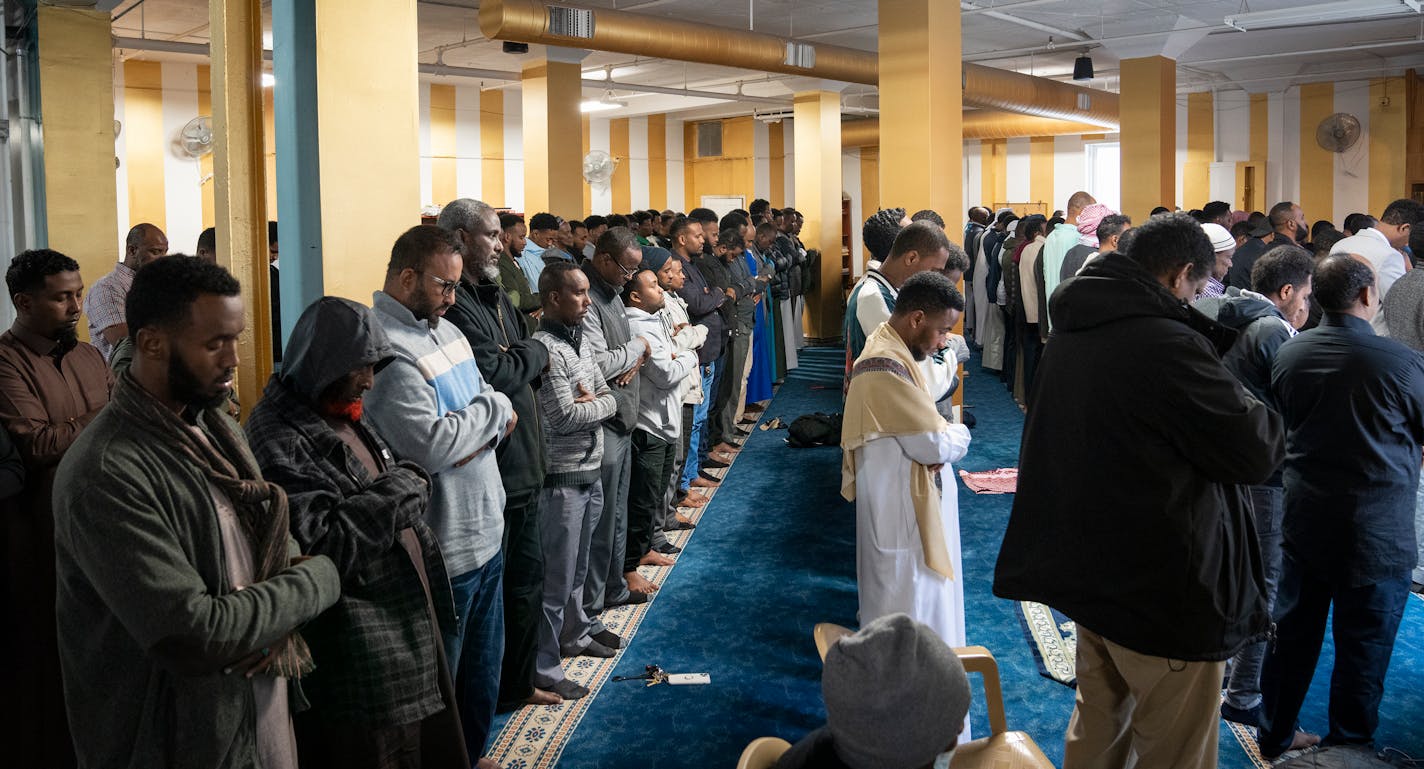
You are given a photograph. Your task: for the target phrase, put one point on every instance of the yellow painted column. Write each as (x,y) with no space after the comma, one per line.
(1201,150)
(1040,173)
(1317,164)
(492,146)
(205,163)
(818,196)
(657,162)
(1149,135)
(239,180)
(587,188)
(552,89)
(77,97)
(621,185)
(442,143)
(143,116)
(1260,127)
(776,138)
(921,118)
(367,53)
(1387,139)
(994,172)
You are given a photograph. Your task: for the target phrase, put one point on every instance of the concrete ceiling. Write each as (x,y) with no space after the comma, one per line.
(1041,37)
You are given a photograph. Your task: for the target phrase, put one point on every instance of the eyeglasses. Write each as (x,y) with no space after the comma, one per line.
(627,273)
(447,287)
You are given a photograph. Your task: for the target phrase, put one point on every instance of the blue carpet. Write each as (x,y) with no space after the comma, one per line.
(775,554)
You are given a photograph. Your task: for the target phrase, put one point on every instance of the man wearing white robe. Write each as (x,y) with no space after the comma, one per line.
(896,465)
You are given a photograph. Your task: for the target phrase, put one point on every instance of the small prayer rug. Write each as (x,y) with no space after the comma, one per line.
(1053,638)
(1005,480)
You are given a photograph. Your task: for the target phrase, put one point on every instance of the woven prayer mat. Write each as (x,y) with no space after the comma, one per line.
(1053,638)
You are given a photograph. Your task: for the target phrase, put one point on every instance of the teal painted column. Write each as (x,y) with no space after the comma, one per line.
(298,163)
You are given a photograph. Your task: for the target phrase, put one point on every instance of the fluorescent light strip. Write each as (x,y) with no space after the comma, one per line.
(1348,10)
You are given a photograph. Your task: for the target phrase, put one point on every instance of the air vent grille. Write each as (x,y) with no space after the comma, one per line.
(709,139)
(571,22)
(801,55)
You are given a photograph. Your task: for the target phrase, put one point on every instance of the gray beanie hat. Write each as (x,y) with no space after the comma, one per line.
(896,695)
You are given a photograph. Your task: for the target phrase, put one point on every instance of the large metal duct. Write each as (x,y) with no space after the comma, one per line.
(598,29)
(978,124)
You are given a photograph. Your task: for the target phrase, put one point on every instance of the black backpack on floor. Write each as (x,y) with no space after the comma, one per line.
(815,430)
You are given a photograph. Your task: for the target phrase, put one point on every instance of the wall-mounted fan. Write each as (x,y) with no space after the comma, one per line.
(1338,132)
(598,167)
(196,138)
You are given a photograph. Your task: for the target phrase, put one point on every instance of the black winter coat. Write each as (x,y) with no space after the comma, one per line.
(511,362)
(1129,516)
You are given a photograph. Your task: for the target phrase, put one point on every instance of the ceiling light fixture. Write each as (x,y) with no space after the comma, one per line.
(606,102)
(1083,68)
(1347,10)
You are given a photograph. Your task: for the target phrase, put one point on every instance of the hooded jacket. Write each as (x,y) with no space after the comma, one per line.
(1260,331)
(377,645)
(510,361)
(1129,515)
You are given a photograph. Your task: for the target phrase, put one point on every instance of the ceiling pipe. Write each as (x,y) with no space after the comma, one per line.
(527,21)
(978,124)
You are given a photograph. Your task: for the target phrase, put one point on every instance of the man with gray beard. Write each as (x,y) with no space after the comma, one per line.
(511,362)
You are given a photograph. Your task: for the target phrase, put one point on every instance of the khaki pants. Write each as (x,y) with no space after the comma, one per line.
(1143,711)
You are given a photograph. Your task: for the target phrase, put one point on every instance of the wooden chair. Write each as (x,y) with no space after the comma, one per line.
(1002,749)
(762,753)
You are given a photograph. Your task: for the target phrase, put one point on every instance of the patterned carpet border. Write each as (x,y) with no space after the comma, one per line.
(534,737)
(1053,639)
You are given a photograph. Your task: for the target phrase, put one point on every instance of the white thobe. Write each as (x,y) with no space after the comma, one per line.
(891,573)
(980,293)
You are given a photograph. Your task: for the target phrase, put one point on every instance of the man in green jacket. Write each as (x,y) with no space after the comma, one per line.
(179,587)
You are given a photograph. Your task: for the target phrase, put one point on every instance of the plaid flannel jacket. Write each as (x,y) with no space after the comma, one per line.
(375,650)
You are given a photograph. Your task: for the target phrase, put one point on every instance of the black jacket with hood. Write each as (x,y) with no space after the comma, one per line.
(511,362)
(376,649)
(1130,516)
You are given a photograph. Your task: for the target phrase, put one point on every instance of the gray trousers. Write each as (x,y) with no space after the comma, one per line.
(724,407)
(605,584)
(1419,531)
(567,515)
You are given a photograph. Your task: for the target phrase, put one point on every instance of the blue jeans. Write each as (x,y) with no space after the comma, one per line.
(699,422)
(1365,622)
(475,648)
(1243,687)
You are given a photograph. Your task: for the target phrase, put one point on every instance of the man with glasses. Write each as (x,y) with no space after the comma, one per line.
(618,355)
(435,409)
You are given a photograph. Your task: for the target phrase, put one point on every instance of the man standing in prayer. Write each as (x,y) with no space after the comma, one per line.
(619,356)
(1264,319)
(659,423)
(1143,534)
(704,303)
(1284,224)
(895,465)
(574,401)
(383,686)
(1224,246)
(51,387)
(1353,404)
(104,305)
(917,248)
(1382,245)
(1057,244)
(510,361)
(976,278)
(435,409)
(180,587)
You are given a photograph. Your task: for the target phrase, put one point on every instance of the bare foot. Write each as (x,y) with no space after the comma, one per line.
(637,583)
(543,697)
(693,500)
(1304,740)
(683,519)
(487,763)
(655,559)
(702,483)
(725,448)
